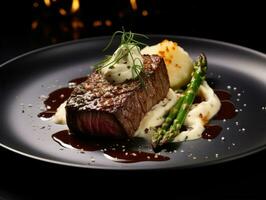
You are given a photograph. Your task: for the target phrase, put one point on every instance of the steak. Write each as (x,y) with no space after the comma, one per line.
(97,107)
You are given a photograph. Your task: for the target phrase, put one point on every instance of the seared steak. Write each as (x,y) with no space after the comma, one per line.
(99,108)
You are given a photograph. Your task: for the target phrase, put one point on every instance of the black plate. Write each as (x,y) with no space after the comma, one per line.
(26,77)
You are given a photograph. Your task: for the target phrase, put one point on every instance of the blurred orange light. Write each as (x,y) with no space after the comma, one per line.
(62,11)
(75,6)
(133,4)
(97,23)
(34,24)
(77,23)
(145,13)
(35,4)
(108,22)
(47,3)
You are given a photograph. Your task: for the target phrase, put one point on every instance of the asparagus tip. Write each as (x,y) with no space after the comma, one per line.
(202,59)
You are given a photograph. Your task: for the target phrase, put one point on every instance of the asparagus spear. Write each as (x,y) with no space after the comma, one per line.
(179,113)
(161,131)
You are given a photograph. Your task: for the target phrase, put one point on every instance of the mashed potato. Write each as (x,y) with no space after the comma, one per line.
(178,62)
(60,115)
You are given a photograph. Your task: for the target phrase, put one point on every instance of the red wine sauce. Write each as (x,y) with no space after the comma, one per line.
(118,151)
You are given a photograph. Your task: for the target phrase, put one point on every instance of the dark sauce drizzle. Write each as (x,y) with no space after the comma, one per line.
(227,111)
(57,97)
(211,131)
(116,150)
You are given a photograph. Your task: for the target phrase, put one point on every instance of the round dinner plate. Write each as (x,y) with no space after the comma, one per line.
(24,79)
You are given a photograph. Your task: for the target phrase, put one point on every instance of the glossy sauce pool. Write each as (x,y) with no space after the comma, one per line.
(57,97)
(116,150)
(227,111)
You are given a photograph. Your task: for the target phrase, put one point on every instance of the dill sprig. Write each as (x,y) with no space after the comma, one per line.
(128,42)
(126,38)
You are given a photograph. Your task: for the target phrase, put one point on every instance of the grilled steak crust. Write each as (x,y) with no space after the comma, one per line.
(98,108)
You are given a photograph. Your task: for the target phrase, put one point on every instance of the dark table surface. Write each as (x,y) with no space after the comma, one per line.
(22,177)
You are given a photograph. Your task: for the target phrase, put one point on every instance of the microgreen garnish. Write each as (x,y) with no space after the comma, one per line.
(126,38)
(127,42)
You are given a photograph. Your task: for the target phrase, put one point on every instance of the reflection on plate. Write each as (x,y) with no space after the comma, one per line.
(25,79)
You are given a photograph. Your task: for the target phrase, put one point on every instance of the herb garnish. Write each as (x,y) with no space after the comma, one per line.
(127,42)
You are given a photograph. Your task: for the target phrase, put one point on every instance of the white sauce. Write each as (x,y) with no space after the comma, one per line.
(154,117)
(121,70)
(197,117)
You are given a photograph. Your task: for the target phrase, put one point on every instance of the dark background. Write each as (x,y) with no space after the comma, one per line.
(27,25)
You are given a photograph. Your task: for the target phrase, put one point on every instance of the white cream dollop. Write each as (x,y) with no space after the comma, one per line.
(119,68)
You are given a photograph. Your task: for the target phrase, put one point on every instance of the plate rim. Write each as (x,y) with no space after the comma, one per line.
(107,168)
